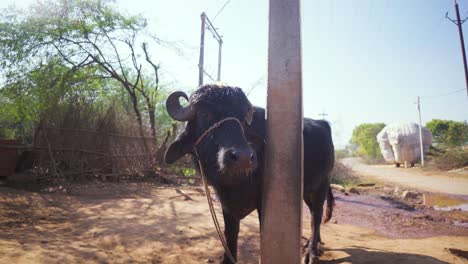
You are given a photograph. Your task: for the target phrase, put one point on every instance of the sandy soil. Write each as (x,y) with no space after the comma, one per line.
(442,182)
(146,223)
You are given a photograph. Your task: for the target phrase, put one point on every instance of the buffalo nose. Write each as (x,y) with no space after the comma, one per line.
(243,158)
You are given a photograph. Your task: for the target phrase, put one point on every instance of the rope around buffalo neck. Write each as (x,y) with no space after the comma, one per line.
(207,189)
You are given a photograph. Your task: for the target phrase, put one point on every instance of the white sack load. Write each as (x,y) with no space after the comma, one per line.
(400,142)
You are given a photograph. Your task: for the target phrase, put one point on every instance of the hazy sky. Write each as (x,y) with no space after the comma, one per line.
(363,60)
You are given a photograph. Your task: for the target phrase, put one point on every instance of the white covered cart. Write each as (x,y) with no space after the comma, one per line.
(399,143)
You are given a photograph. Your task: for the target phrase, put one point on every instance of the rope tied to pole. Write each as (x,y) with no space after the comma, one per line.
(205,183)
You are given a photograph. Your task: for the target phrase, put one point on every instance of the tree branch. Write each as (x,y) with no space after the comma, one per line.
(155,67)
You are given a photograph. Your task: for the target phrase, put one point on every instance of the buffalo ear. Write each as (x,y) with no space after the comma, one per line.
(181,146)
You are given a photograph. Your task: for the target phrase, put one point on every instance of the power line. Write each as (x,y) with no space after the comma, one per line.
(220,10)
(260,81)
(442,95)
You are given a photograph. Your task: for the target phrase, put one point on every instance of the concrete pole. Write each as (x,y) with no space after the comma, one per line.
(220,43)
(202,50)
(462,43)
(282,186)
(420,134)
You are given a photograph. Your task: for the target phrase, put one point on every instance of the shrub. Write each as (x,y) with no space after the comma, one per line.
(343,175)
(447,132)
(448,160)
(364,137)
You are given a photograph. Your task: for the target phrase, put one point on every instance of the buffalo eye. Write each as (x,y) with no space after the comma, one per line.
(205,115)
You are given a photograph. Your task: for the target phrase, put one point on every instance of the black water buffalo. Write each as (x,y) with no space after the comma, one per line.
(232,154)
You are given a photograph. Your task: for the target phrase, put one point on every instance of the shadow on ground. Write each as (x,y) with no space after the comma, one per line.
(368,255)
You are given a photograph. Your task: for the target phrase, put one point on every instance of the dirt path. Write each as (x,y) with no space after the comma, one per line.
(450,183)
(144,223)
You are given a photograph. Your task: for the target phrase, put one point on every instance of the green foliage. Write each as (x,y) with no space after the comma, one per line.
(9,117)
(26,99)
(71,51)
(73,29)
(364,137)
(188,172)
(164,121)
(448,133)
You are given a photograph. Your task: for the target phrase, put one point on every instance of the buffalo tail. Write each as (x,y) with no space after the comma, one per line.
(330,205)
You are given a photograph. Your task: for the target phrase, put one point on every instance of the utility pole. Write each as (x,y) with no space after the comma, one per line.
(459,23)
(323,114)
(282,189)
(219,59)
(207,24)
(220,44)
(202,50)
(420,134)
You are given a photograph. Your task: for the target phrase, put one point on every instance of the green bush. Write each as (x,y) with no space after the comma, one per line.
(448,133)
(364,137)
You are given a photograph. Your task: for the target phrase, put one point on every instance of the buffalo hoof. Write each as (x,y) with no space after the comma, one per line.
(226,260)
(311,255)
(311,260)
(305,247)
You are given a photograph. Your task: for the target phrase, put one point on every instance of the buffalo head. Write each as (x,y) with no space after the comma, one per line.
(224,150)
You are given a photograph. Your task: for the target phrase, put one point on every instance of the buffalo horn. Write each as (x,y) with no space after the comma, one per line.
(176,110)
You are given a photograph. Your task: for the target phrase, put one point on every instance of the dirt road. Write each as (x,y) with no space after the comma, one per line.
(146,223)
(450,183)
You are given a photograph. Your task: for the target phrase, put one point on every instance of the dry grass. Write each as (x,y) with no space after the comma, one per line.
(80,140)
(343,175)
(448,159)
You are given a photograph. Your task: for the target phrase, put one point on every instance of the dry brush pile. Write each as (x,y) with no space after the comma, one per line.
(82,141)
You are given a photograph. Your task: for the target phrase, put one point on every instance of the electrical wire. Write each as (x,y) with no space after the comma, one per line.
(220,10)
(260,81)
(442,95)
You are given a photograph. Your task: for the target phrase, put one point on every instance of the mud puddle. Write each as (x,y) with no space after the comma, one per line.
(453,207)
(446,203)
(394,217)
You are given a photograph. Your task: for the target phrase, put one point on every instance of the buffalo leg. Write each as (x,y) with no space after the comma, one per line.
(231,233)
(315,204)
(259,212)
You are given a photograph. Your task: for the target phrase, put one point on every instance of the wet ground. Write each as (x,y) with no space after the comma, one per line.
(398,218)
(446,202)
